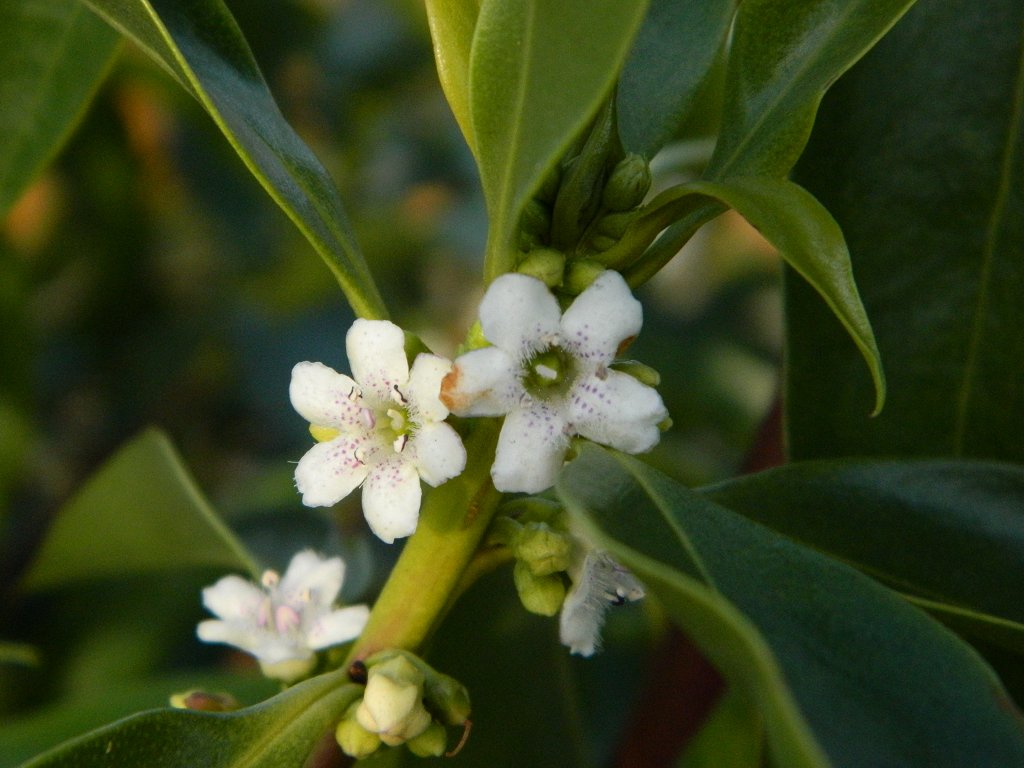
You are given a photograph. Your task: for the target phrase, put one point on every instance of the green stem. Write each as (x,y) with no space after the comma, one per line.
(453,520)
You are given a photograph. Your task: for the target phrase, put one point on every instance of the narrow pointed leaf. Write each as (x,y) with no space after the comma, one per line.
(539,71)
(667,67)
(281,731)
(783,57)
(200,45)
(869,678)
(452,23)
(949,532)
(919,154)
(53,56)
(140,513)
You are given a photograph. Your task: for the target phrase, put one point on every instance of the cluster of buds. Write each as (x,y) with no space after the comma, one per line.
(556,570)
(405,702)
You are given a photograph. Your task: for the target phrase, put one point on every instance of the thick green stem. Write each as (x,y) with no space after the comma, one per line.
(453,520)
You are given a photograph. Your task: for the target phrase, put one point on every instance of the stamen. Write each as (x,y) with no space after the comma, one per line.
(270,578)
(397,396)
(286,619)
(367,417)
(359,455)
(399,444)
(354,394)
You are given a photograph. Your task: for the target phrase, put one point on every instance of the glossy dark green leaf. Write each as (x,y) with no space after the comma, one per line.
(794,222)
(199,44)
(732,737)
(783,57)
(831,657)
(919,154)
(946,531)
(281,731)
(452,23)
(539,71)
(140,513)
(668,65)
(53,56)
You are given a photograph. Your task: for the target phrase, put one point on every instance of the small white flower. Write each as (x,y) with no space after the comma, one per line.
(383,430)
(599,583)
(549,373)
(287,619)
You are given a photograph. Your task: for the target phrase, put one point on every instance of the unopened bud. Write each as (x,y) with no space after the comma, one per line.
(392,705)
(601,243)
(542,595)
(448,698)
(614,225)
(580,274)
(353,739)
(642,373)
(205,702)
(628,184)
(431,743)
(543,550)
(536,218)
(546,264)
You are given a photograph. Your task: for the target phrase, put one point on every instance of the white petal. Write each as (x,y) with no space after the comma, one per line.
(309,574)
(484,382)
(338,627)
(239,635)
(391,499)
(438,452)
(323,396)
(233,597)
(376,353)
(618,411)
(531,450)
(330,471)
(424,388)
(519,314)
(601,318)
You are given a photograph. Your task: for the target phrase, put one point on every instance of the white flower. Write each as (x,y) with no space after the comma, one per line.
(284,622)
(549,373)
(384,430)
(599,583)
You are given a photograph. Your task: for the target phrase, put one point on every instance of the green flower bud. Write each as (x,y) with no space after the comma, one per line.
(546,264)
(580,274)
(602,242)
(628,184)
(614,225)
(642,373)
(542,595)
(543,550)
(475,339)
(431,743)
(536,218)
(353,739)
(448,698)
(392,706)
(203,701)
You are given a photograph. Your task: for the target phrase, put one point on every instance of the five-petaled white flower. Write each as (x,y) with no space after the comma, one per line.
(549,373)
(384,430)
(284,622)
(597,584)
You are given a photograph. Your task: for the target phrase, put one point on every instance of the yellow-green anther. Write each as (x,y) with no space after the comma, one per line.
(542,595)
(543,550)
(546,264)
(580,274)
(431,743)
(353,739)
(628,184)
(642,373)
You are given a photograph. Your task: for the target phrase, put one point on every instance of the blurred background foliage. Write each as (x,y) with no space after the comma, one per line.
(146,279)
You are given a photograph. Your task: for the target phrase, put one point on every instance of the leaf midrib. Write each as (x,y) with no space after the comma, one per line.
(995,221)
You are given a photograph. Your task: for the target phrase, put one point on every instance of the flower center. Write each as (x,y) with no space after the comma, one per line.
(396,425)
(549,373)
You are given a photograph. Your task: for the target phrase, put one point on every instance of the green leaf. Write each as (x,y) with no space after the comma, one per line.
(140,513)
(919,154)
(281,731)
(949,532)
(783,57)
(452,23)
(794,222)
(199,44)
(19,654)
(831,657)
(732,737)
(539,70)
(667,68)
(53,56)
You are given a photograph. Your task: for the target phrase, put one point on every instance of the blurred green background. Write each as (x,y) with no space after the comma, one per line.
(146,279)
